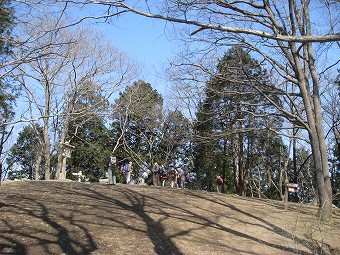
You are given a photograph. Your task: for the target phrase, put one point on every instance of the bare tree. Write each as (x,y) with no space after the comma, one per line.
(138,113)
(76,64)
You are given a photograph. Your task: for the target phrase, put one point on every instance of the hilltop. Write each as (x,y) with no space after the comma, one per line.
(53,217)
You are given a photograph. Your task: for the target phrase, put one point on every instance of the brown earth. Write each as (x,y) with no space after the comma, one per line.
(52,217)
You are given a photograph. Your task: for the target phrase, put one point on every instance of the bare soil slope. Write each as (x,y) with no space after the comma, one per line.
(78,218)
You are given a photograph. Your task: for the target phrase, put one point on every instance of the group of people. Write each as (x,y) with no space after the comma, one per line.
(157,175)
(175,177)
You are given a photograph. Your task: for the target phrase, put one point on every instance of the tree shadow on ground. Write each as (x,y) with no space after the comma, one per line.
(70,218)
(270,226)
(158,236)
(51,234)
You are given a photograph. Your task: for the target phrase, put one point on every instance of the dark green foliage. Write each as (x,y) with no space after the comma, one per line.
(175,138)
(231,129)
(6,26)
(23,154)
(89,135)
(92,146)
(7,90)
(138,114)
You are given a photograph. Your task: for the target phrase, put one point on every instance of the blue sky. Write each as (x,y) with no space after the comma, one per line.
(145,40)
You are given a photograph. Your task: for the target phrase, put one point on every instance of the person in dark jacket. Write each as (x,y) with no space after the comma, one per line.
(111,170)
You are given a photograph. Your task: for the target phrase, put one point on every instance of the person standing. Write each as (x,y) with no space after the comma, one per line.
(155,175)
(182,177)
(219,183)
(128,173)
(174,178)
(111,170)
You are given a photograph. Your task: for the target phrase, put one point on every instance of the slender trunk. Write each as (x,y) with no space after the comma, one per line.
(312,103)
(62,148)
(269,182)
(47,151)
(225,163)
(37,167)
(295,175)
(241,165)
(324,183)
(234,150)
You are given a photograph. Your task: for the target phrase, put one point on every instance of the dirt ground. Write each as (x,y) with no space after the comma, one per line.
(53,217)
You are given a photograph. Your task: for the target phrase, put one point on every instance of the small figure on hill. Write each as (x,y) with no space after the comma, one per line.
(163,176)
(111,170)
(156,175)
(128,173)
(174,178)
(182,175)
(219,183)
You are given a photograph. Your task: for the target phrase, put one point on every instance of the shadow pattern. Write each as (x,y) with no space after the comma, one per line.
(76,218)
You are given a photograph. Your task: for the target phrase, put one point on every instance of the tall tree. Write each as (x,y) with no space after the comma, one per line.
(332,113)
(6,26)
(138,117)
(7,90)
(175,137)
(236,118)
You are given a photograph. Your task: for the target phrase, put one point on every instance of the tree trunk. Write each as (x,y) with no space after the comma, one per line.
(58,175)
(241,166)
(312,105)
(37,167)
(235,165)
(47,151)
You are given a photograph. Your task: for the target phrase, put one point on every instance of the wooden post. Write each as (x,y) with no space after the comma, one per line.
(63,169)
(285,200)
(289,187)
(67,149)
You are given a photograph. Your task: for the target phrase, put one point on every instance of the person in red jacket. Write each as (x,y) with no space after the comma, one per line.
(219,183)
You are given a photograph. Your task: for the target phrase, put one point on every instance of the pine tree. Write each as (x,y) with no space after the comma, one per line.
(24,158)
(232,122)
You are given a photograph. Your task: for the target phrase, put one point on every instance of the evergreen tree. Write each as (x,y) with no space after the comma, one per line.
(26,153)
(6,27)
(89,136)
(92,146)
(232,122)
(174,140)
(7,90)
(137,115)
